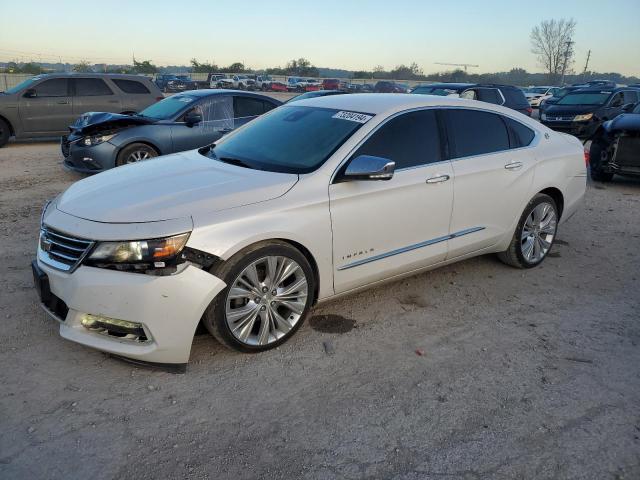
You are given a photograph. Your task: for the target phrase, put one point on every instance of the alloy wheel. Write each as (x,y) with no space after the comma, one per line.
(266,300)
(538,232)
(138,156)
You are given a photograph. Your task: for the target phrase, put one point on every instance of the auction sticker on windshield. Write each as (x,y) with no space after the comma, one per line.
(353,116)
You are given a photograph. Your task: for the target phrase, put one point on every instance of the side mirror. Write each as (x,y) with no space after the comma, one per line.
(30,93)
(368,167)
(628,107)
(192,118)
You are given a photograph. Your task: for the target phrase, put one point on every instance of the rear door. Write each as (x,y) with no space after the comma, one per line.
(94,95)
(493,171)
(49,109)
(135,95)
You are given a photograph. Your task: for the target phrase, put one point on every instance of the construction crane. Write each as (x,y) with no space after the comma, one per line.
(465,65)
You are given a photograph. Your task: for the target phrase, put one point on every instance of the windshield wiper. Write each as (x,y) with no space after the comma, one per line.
(234,161)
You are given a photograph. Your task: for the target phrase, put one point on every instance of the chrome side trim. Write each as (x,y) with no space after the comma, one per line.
(409,248)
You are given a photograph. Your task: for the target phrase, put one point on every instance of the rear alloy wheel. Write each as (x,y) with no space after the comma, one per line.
(534,234)
(599,156)
(269,293)
(5,133)
(134,153)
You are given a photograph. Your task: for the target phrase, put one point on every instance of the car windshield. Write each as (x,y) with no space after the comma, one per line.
(562,92)
(290,139)
(441,91)
(537,90)
(167,108)
(22,85)
(584,98)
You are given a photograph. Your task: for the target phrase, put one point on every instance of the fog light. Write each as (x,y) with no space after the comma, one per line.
(115,327)
(87,159)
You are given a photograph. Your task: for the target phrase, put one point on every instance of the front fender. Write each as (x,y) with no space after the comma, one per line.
(158,136)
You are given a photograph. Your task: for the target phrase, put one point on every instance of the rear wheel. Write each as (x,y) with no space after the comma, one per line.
(270,289)
(534,235)
(599,156)
(134,153)
(5,133)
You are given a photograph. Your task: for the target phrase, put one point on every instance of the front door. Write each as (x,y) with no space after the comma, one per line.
(217,120)
(384,228)
(493,170)
(46,108)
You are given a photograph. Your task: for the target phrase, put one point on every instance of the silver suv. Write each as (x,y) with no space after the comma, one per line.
(45,105)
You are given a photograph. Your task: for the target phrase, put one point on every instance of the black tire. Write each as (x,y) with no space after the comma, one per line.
(598,156)
(214,318)
(127,151)
(513,255)
(5,133)
(264,87)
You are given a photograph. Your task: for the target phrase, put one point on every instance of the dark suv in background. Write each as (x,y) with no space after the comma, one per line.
(171,83)
(45,105)
(506,95)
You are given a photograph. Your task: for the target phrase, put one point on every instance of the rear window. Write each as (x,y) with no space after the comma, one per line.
(521,136)
(91,87)
(476,133)
(490,95)
(131,86)
(514,96)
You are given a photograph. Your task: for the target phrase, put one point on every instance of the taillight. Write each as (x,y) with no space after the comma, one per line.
(529,111)
(587,156)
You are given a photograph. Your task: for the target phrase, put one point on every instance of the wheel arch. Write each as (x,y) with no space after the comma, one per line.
(144,142)
(557,196)
(12,130)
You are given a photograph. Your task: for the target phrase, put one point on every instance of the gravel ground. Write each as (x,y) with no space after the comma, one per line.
(476,370)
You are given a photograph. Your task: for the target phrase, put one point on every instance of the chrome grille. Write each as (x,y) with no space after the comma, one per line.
(61,250)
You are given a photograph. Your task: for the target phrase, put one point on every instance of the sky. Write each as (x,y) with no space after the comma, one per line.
(349,34)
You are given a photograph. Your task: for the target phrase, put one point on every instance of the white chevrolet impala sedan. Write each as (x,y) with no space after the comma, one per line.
(313,200)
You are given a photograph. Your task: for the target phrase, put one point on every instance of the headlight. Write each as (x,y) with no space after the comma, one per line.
(138,254)
(583,118)
(97,139)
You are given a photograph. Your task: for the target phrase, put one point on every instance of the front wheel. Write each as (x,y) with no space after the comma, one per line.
(134,153)
(5,133)
(270,290)
(534,235)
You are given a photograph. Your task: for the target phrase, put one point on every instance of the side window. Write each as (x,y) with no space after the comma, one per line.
(617,100)
(130,86)
(630,97)
(409,140)
(489,95)
(216,111)
(469,94)
(521,136)
(91,87)
(475,133)
(268,106)
(56,87)
(247,107)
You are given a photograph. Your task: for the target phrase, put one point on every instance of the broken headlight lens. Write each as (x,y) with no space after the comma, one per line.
(96,139)
(144,253)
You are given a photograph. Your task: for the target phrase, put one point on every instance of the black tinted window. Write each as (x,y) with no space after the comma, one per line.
(91,87)
(489,95)
(617,100)
(630,97)
(475,133)
(56,87)
(130,86)
(514,97)
(409,140)
(521,136)
(247,107)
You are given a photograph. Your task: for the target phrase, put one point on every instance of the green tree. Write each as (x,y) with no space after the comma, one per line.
(302,67)
(144,67)
(198,67)
(82,66)
(32,68)
(237,67)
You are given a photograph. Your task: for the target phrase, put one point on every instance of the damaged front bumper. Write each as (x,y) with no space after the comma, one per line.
(88,159)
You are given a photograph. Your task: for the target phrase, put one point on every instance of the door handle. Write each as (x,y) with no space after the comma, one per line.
(513,166)
(438,179)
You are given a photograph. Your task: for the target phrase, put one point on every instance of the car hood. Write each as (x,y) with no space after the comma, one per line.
(562,110)
(170,187)
(96,122)
(626,121)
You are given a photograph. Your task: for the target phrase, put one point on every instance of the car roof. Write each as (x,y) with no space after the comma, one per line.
(602,88)
(389,103)
(94,74)
(446,84)
(209,92)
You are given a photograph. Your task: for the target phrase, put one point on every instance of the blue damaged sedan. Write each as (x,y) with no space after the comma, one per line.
(99,141)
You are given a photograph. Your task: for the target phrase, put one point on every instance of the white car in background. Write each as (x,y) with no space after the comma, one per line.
(313,200)
(536,95)
(237,82)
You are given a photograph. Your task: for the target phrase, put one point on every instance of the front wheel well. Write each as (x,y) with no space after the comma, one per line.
(557,197)
(312,261)
(12,131)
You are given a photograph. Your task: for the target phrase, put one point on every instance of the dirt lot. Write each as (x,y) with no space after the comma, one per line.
(518,374)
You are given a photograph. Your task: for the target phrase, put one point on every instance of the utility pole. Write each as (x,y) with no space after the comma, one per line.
(586,64)
(566,59)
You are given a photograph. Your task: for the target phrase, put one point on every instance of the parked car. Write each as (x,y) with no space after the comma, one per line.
(45,105)
(214,78)
(333,84)
(615,147)
(175,83)
(99,141)
(535,95)
(239,234)
(263,82)
(597,83)
(316,94)
(505,95)
(582,111)
(385,86)
(547,102)
(367,88)
(299,84)
(277,86)
(237,82)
